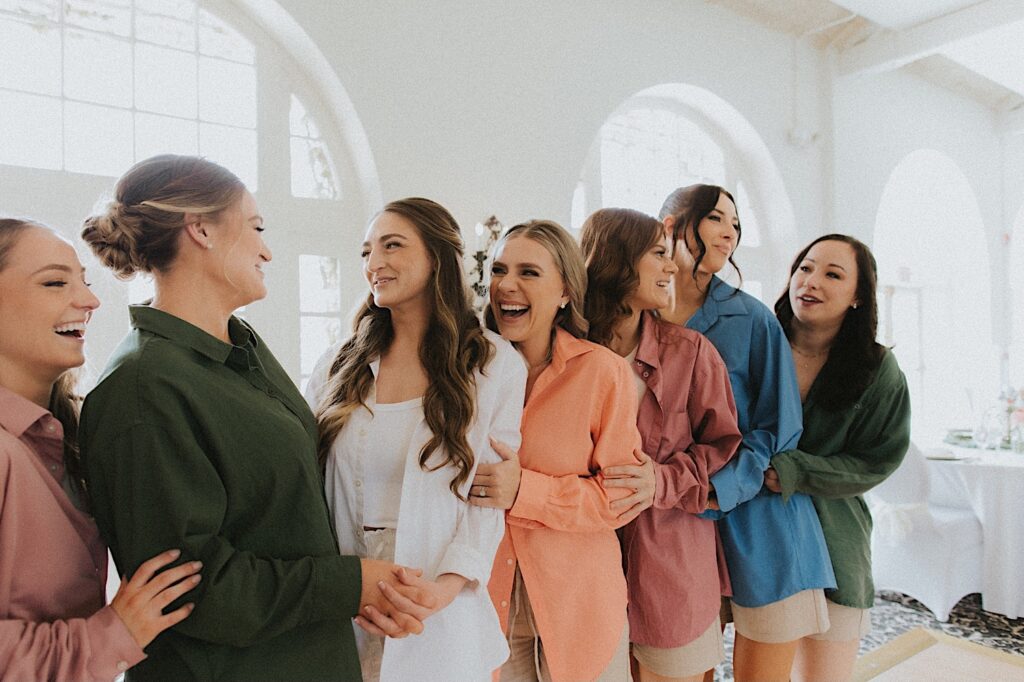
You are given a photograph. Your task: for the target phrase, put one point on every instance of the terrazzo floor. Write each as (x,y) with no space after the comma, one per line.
(894,613)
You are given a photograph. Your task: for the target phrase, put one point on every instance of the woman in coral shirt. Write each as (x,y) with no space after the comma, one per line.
(53,564)
(557,580)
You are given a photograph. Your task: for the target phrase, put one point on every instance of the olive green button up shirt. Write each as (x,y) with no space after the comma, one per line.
(841,455)
(196,444)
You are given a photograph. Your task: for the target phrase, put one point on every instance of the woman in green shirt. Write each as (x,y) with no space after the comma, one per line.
(196,438)
(856,430)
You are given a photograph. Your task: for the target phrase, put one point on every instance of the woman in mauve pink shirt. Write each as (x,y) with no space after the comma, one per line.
(53,564)
(675,569)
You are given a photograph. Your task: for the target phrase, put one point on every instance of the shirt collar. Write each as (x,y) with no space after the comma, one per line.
(648,351)
(146,318)
(721,301)
(17,414)
(566,347)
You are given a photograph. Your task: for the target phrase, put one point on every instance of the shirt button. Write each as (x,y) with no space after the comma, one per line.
(122,665)
(359,484)
(504,604)
(646,374)
(53,467)
(50,428)
(510,561)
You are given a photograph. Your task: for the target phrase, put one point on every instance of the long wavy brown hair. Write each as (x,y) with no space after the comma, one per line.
(614,240)
(65,401)
(457,347)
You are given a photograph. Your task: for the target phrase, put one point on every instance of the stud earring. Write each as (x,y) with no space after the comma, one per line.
(209,245)
(562,306)
(854,306)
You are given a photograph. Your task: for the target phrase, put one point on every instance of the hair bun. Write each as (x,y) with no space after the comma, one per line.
(113,236)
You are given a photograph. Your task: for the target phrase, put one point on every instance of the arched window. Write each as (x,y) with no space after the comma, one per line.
(88,87)
(934,301)
(676,135)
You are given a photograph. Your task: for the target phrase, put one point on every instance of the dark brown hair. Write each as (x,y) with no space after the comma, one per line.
(455,347)
(139,229)
(690,205)
(855,355)
(614,240)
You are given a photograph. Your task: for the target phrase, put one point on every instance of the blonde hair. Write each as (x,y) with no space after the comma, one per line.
(139,229)
(569,261)
(65,402)
(455,347)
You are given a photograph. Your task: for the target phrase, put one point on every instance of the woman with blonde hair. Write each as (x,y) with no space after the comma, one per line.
(195,437)
(687,419)
(557,582)
(53,564)
(406,407)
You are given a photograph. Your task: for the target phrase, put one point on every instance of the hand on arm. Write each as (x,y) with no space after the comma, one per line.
(140,601)
(377,613)
(771,480)
(412,597)
(497,485)
(639,478)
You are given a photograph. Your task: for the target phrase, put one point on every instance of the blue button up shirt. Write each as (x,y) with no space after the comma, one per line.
(774,549)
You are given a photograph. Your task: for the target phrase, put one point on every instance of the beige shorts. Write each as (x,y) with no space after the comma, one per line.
(847,623)
(698,656)
(795,617)
(526,662)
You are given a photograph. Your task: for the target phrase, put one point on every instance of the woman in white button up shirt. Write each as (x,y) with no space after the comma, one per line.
(406,408)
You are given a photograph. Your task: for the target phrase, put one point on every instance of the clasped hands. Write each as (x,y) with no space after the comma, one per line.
(395,600)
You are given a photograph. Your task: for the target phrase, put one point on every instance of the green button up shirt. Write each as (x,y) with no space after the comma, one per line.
(196,444)
(841,455)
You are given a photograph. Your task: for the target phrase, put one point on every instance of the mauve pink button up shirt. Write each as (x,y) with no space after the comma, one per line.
(675,567)
(53,564)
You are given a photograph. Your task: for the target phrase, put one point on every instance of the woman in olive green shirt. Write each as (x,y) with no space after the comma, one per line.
(196,438)
(856,430)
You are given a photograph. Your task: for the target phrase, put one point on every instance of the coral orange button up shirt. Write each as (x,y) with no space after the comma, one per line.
(579,418)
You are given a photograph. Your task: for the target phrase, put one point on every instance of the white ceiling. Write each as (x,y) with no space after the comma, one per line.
(901,14)
(997,54)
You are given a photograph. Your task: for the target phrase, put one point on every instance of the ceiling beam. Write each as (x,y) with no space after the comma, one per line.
(888,50)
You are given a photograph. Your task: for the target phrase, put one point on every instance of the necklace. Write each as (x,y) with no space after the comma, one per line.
(810,356)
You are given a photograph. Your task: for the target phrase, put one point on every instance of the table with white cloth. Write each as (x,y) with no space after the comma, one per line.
(991,484)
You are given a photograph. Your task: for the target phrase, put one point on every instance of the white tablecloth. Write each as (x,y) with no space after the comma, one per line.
(991,483)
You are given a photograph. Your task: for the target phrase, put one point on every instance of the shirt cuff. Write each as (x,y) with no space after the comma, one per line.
(114,649)
(466,561)
(788,473)
(726,488)
(337,587)
(532,497)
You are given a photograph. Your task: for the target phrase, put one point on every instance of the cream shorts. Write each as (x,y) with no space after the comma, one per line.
(695,657)
(795,617)
(847,623)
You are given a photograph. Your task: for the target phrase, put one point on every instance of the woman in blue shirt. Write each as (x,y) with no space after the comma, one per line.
(776,553)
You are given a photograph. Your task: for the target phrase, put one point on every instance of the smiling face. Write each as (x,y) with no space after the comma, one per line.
(719,230)
(45,305)
(824,285)
(238,264)
(655,270)
(396,263)
(526,292)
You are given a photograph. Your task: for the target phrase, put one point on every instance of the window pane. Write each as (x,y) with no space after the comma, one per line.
(33,9)
(319,287)
(217,39)
(108,16)
(176,9)
(227,93)
(165,81)
(31,130)
(98,140)
(299,122)
(97,68)
(318,334)
(30,55)
(155,28)
(164,135)
(233,148)
(312,172)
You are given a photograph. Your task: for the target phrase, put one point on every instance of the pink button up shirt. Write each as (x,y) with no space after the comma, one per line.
(53,565)
(675,568)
